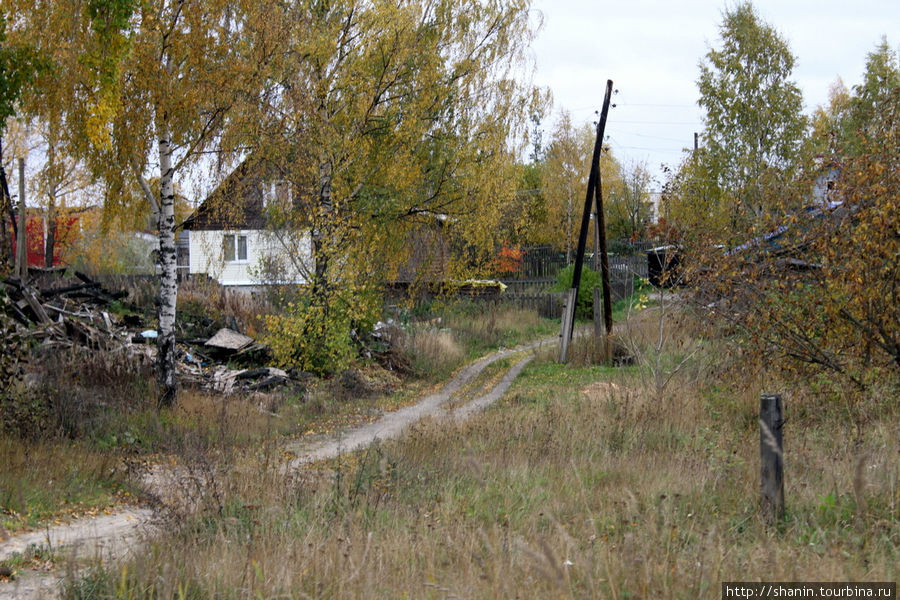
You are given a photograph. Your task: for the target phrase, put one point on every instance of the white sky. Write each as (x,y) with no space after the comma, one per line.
(651,50)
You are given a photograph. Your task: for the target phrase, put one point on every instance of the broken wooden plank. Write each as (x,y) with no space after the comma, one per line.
(268,382)
(51,292)
(36,307)
(84,277)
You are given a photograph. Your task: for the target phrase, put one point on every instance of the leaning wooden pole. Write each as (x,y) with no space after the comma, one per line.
(600,226)
(593,184)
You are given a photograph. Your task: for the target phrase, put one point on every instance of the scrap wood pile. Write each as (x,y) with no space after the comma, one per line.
(62,311)
(68,311)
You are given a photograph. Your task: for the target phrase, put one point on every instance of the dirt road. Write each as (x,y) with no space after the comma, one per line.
(114,536)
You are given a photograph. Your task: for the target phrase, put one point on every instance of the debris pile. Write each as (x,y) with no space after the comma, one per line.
(65,311)
(68,312)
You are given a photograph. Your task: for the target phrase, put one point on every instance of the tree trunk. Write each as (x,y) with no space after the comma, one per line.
(6,245)
(22,228)
(569,227)
(168,285)
(50,225)
(322,231)
(50,242)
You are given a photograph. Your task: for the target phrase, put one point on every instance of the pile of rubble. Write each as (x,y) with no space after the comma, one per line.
(64,311)
(69,312)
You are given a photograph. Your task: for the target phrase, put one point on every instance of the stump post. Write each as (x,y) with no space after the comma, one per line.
(771,453)
(568,321)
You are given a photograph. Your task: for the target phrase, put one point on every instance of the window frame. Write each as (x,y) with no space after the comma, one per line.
(235,247)
(269,194)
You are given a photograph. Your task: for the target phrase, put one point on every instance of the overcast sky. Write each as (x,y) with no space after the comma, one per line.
(651,50)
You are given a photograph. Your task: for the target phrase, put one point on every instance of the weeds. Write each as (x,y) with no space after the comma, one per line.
(51,479)
(584,482)
(205,306)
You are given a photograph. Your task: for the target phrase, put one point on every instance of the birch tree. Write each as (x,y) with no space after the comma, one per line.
(630,207)
(565,180)
(153,86)
(388,116)
(839,127)
(20,64)
(754,126)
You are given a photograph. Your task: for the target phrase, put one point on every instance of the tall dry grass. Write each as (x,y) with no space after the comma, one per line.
(433,351)
(583,483)
(207,300)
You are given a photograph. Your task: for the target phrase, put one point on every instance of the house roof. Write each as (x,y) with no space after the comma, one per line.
(237,203)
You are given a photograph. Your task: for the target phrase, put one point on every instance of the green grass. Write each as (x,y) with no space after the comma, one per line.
(46,480)
(643,297)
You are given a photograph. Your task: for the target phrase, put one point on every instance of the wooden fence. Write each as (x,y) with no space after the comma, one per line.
(623,267)
(534,294)
(547,305)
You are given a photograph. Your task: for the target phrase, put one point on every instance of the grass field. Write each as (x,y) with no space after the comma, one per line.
(584,482)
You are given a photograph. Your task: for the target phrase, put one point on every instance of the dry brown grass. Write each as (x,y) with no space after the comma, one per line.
(433,350)
(235,309)
(583,483)
(492,325)
(46,480)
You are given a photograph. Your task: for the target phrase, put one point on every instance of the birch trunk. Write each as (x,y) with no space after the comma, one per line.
(168,285)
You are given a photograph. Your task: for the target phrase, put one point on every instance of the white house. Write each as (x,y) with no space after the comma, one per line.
(231,237)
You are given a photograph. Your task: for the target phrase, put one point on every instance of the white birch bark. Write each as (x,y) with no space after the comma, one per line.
(168,285)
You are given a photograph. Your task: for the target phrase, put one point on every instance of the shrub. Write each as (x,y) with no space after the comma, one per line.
(319,332)
(590,279)
(79,393)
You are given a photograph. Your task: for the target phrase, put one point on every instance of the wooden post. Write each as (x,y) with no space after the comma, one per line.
(568,321)
(21,231)
(771,452)
(598,312)
(601,241)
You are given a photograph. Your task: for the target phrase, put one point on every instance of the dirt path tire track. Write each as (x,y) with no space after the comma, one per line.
(114,535)
(392,425)
(106,537)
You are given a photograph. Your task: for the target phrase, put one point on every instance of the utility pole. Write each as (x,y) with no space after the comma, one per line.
(600,226)
(592,194)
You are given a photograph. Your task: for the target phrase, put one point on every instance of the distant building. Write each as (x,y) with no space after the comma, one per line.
(67,233)
(229,238)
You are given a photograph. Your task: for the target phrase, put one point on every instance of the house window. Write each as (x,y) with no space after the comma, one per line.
(234,247)
(277,193)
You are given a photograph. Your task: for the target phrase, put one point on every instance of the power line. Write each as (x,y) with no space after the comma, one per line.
(652,137)
(659,122)
(658,105)
(647,149)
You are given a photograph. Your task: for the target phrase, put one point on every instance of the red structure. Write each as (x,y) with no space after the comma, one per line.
(67,230)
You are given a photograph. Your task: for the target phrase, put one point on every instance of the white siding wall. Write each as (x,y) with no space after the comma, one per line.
(206,256)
